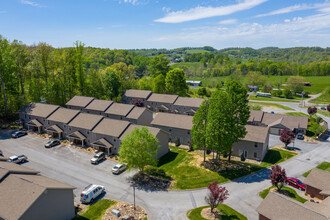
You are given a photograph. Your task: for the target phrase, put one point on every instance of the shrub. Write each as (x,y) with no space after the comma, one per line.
(288,94)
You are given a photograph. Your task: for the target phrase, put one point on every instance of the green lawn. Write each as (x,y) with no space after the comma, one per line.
(96,210)
(323,112)
(275,156)
(286,191)
(270,105)
(322,166)
(181,166)
(325,97)
(226,213)
(297,114)
(272,99)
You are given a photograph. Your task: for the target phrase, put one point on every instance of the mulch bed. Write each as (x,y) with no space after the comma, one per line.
(151,182)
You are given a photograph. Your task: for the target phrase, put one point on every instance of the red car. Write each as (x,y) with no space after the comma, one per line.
(295,183)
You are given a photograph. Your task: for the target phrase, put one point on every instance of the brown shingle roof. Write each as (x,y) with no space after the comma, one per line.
(289,121)
(99,105)
(79,101)
(256,133)
(12,168)
(173,120)
(86,121)
(119,109)
(189,102)
(34,122)
(319,179)
(140,94)
(136,112)
(111,127)
(152,130)
(280,207)
(256,116)
(322,207)
(162,98)
(39,109)
(63,115)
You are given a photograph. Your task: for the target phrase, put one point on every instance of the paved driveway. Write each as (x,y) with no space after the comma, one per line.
(73,167)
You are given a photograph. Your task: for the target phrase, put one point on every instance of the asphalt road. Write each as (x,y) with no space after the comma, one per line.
(73,167)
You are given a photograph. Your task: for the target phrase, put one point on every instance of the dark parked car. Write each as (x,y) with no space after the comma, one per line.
(296,183)
(323,108)
(300,136)
(18,134)
(52,143)
(1,154)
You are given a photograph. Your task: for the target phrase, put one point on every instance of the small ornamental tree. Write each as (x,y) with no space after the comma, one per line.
(328,108)
(312,110)
(277,176)
(286,136)
(137,102)
(216,196)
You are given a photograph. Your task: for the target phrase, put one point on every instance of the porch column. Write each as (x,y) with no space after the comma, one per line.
(82,143)
(108,151)
(39,130)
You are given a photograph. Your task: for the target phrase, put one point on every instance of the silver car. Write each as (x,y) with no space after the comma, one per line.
(119,168)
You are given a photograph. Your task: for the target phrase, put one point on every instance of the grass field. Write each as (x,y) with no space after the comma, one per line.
(286,191)
(96,210)
(226,213)
(323,112)
(297,114)
(272,99)
(322,166)
(319,83)
(324,98)
(275,156)
(270,105)
(187,172)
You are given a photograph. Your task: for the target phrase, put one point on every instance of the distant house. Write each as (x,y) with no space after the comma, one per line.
(27,195)
(253,88)
(57,123)
(255,117)
(140,116)
(105,136)
(118,111)
(79,129)
(194,83)
(79,102)
(318,184)
(132,94)
(33,115)
(178,126)
(161,135)
(254,145)
(98,107)
(161,102)
(277,207)
(185,105)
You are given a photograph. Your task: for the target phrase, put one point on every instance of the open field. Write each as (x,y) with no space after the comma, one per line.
(319,83)
(272,99)
(226,213)
(323,112)
(297,114)
(322,166)
(286,191)
(270,105)
(325,97)
(188,170)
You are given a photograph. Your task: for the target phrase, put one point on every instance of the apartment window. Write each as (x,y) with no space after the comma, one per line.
(255,144)
(64,126)
(47,122)
(188,132)
(87,132)
(170,130)
(255,154)
(114,140)
(70,129)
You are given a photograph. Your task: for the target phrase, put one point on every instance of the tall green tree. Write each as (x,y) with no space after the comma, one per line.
(175,82)
(296,83)
(159,84)
(139,149)
(198,131)
(159,65)
(239,114)
(80,72)
(218,122)
(112,84)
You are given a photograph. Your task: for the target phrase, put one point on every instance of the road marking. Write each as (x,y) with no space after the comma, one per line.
(193,202)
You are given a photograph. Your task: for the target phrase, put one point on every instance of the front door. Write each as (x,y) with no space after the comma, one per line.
(245,153)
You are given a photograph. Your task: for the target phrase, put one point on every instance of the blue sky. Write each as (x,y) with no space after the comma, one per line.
(127,24)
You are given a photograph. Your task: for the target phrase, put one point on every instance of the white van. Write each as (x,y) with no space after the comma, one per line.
(91,192)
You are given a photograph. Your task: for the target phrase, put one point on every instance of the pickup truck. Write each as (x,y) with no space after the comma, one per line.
(17,159)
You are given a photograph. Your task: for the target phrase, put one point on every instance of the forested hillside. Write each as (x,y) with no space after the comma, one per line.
(41,73)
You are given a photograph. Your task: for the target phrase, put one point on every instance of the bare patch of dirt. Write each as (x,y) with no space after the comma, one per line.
(206,213)
(125,209)
(310,140)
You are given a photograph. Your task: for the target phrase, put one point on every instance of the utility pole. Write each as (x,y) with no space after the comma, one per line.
(134,195)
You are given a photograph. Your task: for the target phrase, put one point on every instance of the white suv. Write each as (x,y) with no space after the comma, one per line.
(91,192)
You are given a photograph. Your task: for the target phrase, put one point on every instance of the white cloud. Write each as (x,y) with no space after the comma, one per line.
(299,7)
(228,21)
(308,31)
(33,4)
(133,2)
(207,12)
